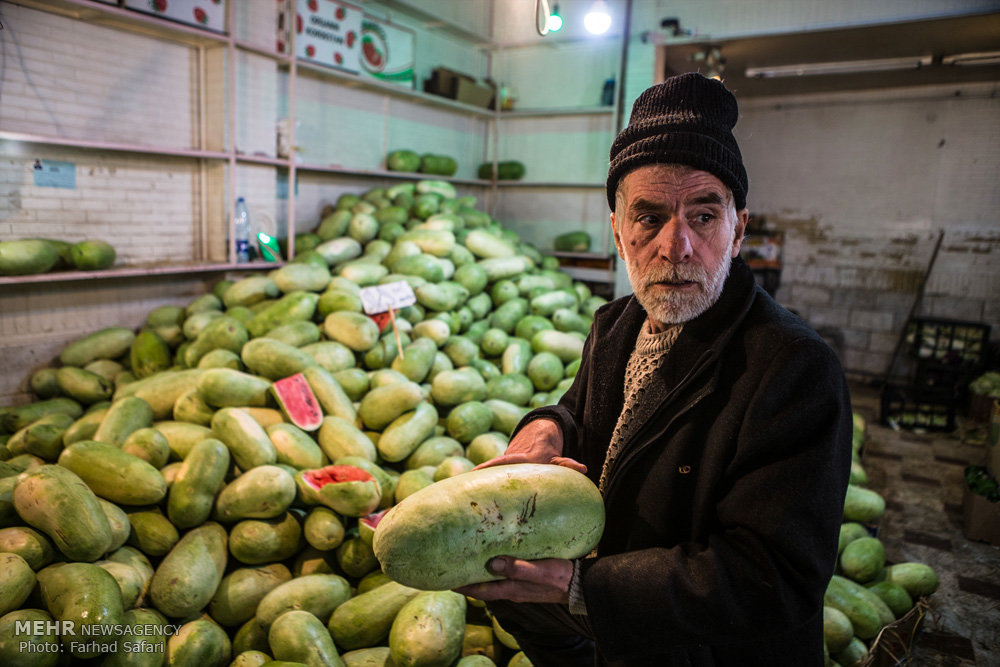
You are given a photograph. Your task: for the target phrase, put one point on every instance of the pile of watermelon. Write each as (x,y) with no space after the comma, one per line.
(866,593)
(166,493)
(163,487)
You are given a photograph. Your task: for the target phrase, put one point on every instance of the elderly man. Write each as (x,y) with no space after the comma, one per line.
(716,424)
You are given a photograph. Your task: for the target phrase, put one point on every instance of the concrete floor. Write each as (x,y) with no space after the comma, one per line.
(921,477)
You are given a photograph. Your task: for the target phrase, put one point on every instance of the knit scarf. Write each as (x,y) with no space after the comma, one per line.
(650,349)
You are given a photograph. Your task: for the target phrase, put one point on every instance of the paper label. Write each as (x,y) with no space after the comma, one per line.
(391,296)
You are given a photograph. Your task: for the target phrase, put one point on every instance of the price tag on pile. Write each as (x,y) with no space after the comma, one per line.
(381,299)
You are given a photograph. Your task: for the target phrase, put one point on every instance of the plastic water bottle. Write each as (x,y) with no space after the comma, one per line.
(241,231)
(608,93)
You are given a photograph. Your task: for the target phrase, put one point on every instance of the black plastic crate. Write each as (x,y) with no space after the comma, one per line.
(914,407)
(948,342)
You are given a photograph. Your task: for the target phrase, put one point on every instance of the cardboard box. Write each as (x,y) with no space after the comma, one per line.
(473,94)
(208,14)
(891,648)
(993,440)
(980,407)
(444,82)
(459,87)
(981,518)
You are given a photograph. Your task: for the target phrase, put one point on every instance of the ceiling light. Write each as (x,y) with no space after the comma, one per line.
(843,67)
(979,58)
(597,21)
(554,23)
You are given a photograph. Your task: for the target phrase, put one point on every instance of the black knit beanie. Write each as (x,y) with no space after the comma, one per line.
(688,119)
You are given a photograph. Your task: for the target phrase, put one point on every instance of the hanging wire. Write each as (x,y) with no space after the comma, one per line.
(542,28)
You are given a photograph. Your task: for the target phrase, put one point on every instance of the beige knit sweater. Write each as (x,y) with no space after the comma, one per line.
(650,349)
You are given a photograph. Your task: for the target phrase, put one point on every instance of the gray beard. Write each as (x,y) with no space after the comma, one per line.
(675,308)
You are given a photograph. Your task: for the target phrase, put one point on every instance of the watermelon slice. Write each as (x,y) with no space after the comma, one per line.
(346,489)
(297,401)
(367,525)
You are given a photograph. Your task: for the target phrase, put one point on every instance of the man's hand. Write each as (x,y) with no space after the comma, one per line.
(545,580)
(540,441)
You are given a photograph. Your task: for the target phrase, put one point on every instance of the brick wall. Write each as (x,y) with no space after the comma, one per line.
(36,321)
(120,95)
(143,206)
(861,184)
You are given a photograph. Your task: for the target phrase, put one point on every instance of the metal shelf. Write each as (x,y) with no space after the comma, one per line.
(260,51)
(136,272)
(550,184)
(578,255)
(354,81)
(385,173)
(360,173)
(112,146)
(571,111)
(263,159)
(589,275)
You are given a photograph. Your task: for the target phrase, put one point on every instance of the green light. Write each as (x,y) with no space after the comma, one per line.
(555,22)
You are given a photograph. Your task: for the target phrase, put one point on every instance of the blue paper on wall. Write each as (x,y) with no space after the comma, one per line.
(55,174)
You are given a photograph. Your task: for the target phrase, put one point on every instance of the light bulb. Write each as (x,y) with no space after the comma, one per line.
(597,21)
(555,22)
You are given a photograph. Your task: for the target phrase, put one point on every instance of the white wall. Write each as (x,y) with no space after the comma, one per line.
(36,322)
(80,81)
(437,46)
(119,97)
(861,184)
(473,16)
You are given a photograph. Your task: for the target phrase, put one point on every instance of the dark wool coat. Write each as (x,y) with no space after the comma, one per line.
(724,506)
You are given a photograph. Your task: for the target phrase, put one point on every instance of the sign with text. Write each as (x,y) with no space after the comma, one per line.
(327,32)
(30,638)
(391,296)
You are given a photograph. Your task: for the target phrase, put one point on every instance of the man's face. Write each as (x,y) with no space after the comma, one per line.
(677,230)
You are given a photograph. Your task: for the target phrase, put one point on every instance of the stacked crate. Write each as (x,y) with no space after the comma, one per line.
(945,356)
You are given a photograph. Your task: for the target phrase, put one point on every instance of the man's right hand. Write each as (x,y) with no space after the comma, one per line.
(540,441)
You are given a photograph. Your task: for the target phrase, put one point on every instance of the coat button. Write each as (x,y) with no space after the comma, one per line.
(684,470)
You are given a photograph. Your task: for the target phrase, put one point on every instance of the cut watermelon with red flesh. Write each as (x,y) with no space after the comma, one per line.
(335,474)
(372,520)
(297,401)
(367,525)
(346,489)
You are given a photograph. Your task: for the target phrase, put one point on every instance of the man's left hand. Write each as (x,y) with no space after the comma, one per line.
(545,580)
